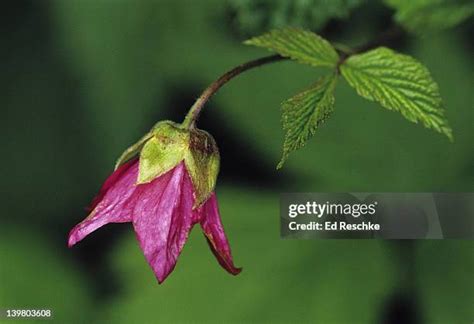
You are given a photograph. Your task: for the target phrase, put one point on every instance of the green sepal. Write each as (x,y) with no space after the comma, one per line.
(168,144)
(135,149)
(202,162)
(163,151)
(132,151)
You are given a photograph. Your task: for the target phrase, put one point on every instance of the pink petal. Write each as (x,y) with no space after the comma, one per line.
(212,226)
(162,219)
(113,204)
(109,182)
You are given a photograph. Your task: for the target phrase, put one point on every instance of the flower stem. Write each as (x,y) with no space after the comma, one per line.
(193,114)
(189,122)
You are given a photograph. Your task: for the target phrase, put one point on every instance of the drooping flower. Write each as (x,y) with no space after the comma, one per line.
(164,193)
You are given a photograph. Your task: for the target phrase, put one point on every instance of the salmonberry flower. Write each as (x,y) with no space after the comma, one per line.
(164,192)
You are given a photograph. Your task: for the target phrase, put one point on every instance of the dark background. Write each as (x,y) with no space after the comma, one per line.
(82,80)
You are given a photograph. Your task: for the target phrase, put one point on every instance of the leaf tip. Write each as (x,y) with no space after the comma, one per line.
(282,161)
(249,41)
(449,134)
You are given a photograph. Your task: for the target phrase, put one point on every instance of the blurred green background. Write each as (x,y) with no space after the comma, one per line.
(82,80)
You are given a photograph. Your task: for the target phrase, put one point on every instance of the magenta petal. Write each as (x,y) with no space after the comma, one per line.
(162,219)
(110,182)
(212,226)
(113,203)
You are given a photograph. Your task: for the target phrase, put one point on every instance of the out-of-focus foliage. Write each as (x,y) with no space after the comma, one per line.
(422,16)
(113,48)
(34,276)
(451,276)
(253,17)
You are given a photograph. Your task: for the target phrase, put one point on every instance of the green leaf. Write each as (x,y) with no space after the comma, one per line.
(305,112)
(431,15)
(300,45)
(398,82)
